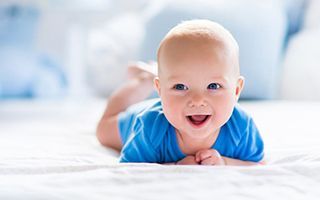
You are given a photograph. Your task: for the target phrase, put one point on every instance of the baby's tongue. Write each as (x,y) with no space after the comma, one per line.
(198,118)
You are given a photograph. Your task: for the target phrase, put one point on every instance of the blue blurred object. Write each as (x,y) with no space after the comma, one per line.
(295,10)
(17,25)
(260,27)
(25,72)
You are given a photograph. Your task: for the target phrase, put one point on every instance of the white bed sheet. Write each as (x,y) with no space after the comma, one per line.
(48,150)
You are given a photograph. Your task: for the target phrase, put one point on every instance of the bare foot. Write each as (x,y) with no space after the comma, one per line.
(142,70)
(142,75)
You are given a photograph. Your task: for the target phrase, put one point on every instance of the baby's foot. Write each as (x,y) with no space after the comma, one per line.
(142,75)
(142,70)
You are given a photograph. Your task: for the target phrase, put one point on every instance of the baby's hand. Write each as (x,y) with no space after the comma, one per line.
(188,160)
(209,157)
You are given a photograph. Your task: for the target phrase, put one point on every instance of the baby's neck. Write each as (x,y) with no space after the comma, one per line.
(190,145)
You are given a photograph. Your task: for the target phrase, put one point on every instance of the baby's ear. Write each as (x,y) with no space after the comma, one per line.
(240,85)
(156,83)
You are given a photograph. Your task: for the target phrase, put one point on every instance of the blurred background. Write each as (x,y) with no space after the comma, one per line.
(72,49)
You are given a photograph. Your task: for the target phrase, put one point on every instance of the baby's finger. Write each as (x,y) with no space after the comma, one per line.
(197,156)
(202,154)
(209,161)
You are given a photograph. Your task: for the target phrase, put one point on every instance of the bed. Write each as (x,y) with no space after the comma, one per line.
(49,151)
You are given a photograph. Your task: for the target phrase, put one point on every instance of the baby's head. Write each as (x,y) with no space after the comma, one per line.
(198,79)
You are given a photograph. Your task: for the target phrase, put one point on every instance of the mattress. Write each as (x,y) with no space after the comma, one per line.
(48,150)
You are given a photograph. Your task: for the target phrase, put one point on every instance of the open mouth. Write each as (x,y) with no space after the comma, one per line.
(198,120)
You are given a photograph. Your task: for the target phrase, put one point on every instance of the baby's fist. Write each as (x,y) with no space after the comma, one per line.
(209,157)
(188,160)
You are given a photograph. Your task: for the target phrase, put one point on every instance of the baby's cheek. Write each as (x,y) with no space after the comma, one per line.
(225,111)
(168,112)
(174,119)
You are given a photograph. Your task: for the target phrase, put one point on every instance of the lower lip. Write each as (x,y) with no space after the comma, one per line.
(202,124)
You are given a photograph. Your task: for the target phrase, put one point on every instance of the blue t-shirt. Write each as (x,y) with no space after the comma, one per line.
(147,136)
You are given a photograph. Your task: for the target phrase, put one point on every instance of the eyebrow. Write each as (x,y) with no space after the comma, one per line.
(221,78)
(172,78)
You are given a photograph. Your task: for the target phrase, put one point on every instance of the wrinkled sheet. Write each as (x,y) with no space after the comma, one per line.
(48,150)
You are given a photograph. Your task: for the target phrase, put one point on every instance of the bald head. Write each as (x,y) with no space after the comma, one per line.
(199,34)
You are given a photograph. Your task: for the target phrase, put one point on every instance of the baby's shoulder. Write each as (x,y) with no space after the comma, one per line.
(240,114)
(152,111)
(239,123)
(152,123)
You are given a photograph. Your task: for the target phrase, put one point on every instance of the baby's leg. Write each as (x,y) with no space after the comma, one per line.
(138,87)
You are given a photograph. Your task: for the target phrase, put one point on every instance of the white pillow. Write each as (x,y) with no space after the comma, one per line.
(301,70)
(110,47)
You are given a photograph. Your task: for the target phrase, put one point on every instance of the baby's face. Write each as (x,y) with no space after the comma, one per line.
(199,85)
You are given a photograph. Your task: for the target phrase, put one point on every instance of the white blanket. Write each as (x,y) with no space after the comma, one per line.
(48,150)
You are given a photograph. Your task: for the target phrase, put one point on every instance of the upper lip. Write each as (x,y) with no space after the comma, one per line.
(197,114)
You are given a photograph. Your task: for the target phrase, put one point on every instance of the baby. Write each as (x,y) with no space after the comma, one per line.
(196,120)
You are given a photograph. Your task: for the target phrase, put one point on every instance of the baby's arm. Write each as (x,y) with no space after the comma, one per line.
(188,160)
(213,157)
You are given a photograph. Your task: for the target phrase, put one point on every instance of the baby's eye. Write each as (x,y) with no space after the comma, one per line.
(180,87)
(214,86)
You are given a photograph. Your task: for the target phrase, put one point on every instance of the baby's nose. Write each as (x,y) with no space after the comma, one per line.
(197,101)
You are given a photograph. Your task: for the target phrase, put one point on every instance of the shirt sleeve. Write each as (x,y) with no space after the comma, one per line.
(127,119)
(138,148)
(125,122)
(251,146)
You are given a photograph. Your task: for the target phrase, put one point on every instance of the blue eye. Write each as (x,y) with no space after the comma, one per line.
(214,86)
(180,87)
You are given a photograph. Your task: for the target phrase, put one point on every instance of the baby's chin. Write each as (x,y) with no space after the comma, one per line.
(200,136)
(196,134)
